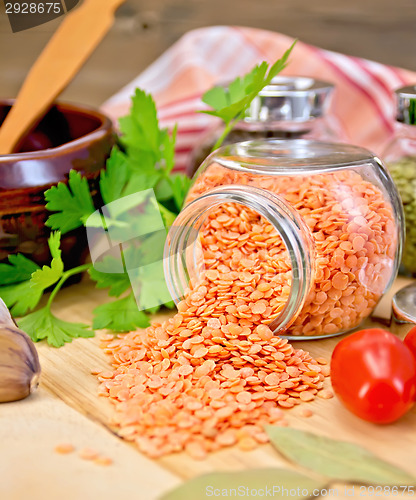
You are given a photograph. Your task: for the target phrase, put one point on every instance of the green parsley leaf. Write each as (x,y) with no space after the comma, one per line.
(167,216)
(20,269)
(149,148)
(48,275)
(230,103)
(19,294)
(72,203)
(20,297)
(148,279)
(105,278)
(140,128)
(167,144)
(139,181)
(154,291)
(113,179)
(121,315)
(180,186)
(42,324)
(163,189)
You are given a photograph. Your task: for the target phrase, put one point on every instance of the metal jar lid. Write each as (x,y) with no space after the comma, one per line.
(295,99)
(404,305)
(406,104)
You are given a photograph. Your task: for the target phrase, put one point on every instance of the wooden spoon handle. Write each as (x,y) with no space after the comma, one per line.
(68,49)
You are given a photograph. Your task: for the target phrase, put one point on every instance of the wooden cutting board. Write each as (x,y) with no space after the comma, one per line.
(66,408)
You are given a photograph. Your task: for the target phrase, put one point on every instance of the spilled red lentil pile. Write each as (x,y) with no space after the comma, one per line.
(214,374)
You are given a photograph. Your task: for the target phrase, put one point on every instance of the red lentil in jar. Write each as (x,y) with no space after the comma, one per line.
(328,220)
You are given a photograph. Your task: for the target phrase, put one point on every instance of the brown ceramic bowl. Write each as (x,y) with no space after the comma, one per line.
(68,137)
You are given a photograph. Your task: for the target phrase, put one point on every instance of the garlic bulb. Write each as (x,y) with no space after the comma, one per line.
(19,361)
(5,316)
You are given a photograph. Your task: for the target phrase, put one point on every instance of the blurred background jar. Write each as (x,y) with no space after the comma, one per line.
(315,227)
(400,157)
(291,107)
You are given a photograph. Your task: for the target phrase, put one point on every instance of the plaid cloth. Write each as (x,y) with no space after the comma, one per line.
(363,101)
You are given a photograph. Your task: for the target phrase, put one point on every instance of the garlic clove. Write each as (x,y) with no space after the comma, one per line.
(5,316)
(19,363)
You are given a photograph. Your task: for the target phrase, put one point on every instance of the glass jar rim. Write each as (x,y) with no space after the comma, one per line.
(283,157)
(288,223)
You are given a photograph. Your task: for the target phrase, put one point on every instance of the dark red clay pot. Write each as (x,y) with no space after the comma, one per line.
(68,137)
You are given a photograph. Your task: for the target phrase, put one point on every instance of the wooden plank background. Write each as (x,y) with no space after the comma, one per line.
(66,407)
(383,30)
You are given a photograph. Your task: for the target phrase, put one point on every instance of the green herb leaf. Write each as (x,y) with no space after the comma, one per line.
(334,459)
(163,189)
(48,275)
(120,315)
(167,216)
(230,103)
(167,145)
(149,148)
(149,286)
(20,269)
(113,179)
(139,181)
(268,482)
(238,95)
(20,297)
(72,202)
(117,283)
(145,269)
(180,186)
(42,324)
(140,128)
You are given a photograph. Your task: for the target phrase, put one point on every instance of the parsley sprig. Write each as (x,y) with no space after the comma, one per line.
(142,160)
(26,285)
(230,103)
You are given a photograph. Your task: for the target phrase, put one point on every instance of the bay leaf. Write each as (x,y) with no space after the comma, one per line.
(336,459)
(252,483)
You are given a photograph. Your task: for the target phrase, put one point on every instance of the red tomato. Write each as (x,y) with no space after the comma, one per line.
(374,375)
(410,341)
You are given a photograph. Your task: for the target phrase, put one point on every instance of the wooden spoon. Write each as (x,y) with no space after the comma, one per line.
(68,49)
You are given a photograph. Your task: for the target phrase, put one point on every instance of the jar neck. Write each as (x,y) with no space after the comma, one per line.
(182,256)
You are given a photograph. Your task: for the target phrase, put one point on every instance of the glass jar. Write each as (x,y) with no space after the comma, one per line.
(400,157)
(288,108)
(299,235)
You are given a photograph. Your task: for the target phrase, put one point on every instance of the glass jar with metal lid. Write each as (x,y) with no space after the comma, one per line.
(301,236)
(400,157)
(288,108)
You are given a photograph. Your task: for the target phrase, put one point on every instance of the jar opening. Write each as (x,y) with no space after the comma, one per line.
(265,250)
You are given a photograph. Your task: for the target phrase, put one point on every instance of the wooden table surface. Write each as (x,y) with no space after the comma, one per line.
(381,30)
(66,408)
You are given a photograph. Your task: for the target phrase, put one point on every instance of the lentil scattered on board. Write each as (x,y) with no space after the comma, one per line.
(88,454)
(64,448)
(214,374)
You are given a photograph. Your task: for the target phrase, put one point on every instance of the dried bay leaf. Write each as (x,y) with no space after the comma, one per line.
(252,483)
(335,459)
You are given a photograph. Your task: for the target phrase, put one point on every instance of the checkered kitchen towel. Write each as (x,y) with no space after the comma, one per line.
(363,102)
